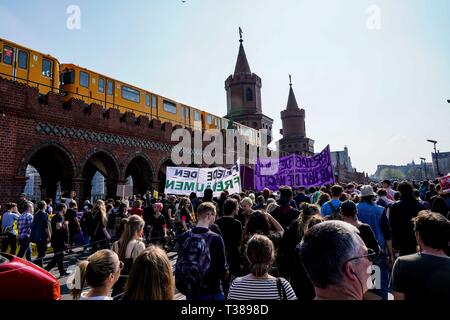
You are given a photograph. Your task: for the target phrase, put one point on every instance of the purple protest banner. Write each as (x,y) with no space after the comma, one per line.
(247,178)
(297,171)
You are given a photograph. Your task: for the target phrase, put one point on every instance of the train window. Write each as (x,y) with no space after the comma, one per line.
(131,94)
(68,77)
(185,112)
(154,101)
(110,88)
(8,55)
(209,119)
(23,59)
(101,85)
(147,100)
(47,68)
(84,79)
(196,116)
(219,123)
(170,107)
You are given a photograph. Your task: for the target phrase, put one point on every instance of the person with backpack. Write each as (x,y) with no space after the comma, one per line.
(40,232)
(8,234)
(201,262)
(333,207)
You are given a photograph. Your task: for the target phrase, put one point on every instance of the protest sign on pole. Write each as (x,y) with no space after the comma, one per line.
(298,171)
(124,190)
(445,184)
(184,180)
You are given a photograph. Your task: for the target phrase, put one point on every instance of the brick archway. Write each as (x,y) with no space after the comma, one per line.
(161,173)
(106,163)
(54,163)
(140,168)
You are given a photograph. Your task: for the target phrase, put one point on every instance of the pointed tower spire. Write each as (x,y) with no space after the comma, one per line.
(242,65)
(292,101)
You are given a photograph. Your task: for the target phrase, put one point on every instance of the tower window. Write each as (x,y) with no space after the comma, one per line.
(249,94)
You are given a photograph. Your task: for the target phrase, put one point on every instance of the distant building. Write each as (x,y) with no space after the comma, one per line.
(343,170)
(342,158)
(444,163)
(98,187)
(411,171)
(33,185)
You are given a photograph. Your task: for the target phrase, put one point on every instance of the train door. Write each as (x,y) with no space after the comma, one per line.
(7,61)
(109,93)
(83,86)
(186,116)
(21,65)
(101,92)
(47,74)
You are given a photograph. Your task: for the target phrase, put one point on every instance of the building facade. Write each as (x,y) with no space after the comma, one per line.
(243,90)
(410,171)
(444,163)
(294,129)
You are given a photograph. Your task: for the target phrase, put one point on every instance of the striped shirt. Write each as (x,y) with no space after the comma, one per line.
(250,288)
(24,224)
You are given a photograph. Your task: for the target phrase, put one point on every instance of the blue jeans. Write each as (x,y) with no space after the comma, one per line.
(207,297)
(25,248)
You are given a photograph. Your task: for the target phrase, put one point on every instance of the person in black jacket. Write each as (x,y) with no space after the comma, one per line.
(285,213)
(400,218)
(40,232)
(59,239)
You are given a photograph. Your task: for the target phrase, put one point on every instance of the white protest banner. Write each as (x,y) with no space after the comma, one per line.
(184,180)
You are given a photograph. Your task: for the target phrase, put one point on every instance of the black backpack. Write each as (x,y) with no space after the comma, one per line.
(193,264)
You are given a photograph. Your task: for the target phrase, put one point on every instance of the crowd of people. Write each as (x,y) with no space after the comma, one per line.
(345,241)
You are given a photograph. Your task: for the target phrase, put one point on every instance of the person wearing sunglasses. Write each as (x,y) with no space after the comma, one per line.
(100,272)
(337,261)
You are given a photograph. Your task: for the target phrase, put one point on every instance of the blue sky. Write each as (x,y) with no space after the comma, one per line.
(380,92)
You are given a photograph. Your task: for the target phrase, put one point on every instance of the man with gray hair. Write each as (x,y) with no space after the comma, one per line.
(337,261)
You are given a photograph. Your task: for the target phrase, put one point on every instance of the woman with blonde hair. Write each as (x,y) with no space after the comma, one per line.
(128,248)
(100,236)
(151,277)
(259,284)
(100,272)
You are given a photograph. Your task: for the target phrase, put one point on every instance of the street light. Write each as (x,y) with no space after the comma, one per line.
(434,142)
(424,167)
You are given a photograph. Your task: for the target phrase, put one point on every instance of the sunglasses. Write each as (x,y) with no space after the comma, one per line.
(371,256)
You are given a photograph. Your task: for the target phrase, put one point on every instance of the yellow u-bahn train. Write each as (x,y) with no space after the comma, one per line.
(43,71)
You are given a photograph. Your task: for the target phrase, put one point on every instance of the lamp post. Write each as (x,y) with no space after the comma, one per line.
(434,142)
(424,167)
